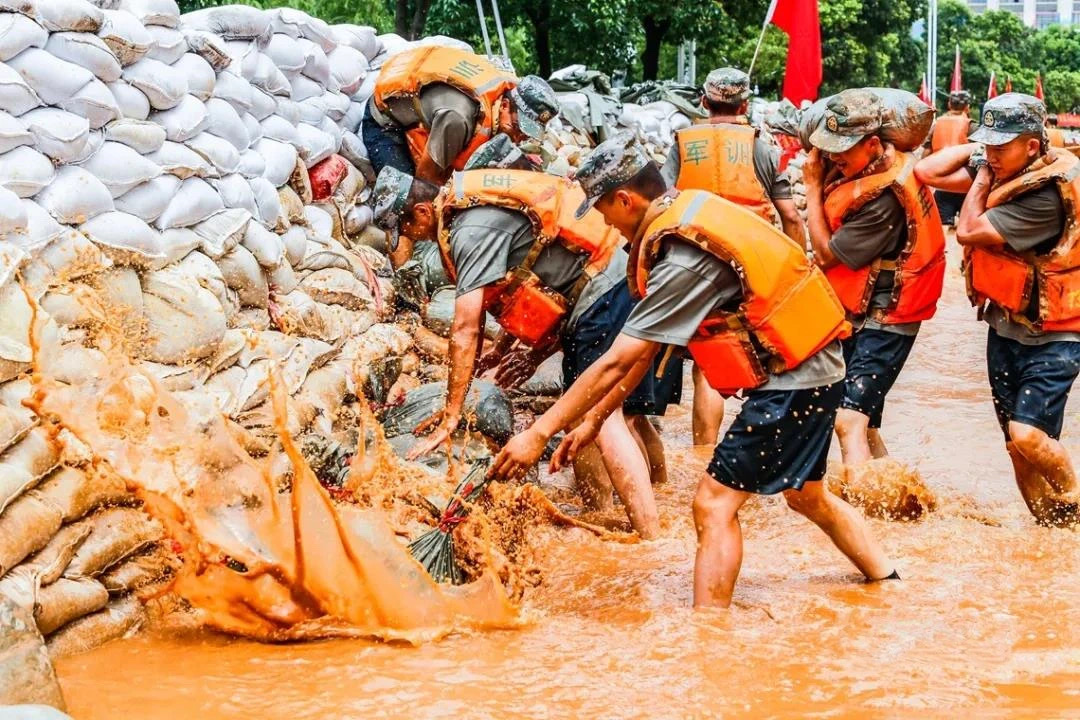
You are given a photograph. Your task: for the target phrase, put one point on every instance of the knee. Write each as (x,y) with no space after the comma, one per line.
(850,423)
(805,502)
(709,505)
(1025,438)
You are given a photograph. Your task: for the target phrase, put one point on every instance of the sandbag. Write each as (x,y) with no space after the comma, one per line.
(194,202)
(267,201)
(85,50)
(304,88)
(118,619)
(163,86)
(280,160)
(296,313)
(254,129)
(95,102)
(222,231)
(286,53)
(358,37)
(153,12)
(315,145)
(48,563)
(60,135)
(235,192)
(234,90)
(75,196)
(319,221)
(25,463)
(905,122)
(263,105)
(334,286)
(487,409)
(13,219)
(224,122)
(69,15)
(278,128)
(243,274)
(184,120)
(252,164)
(267,247)
(15,422)
(141,570)
(182,161)
(326,176)
(300,181)
(199,73)
(25,527)
(169,44)
(316,62)
(77,492)
(52,79)
(295,240)
(121,168)
(177,243)
(26,673)
(184,320)
(16,95)
(16,318)
(149,200)
(219,152)
(41,229)
(133,103)
(65,600)
(13,133)
(140,135)
(116,534)
(17,33)
(231,22)
(126,36)
(348,67)
(125,239)
(268,78)
(299,24)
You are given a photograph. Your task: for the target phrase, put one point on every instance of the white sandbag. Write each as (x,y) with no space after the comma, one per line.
(337,105)
(199,73)
(298,24)
(348,67)
(149,200)
(288,110)
(75,196)
(41,228)
(16,96)
(121,168)
(183,121)
(18,32)
(262,104)
(280,160)
(85,50)
(140,135)
(13,133)
(235,90)
(224,122)
(222,231)
(232,22)
(331,128)
(184,320)
(316,62)
(219,152)
(95,102)
(178,243)
(286,53)
(169,44)
(304,87)
(358,37)
(267,77)
(153,12)
(243,56)
(94,140)
(295,240)
(25,172)
(252,164)
(312,110)
(209,47)
(69,16)
(209,277)
(244,276)
(52,79)
(352,149)
(315,145)
(132,102)
(254,129)
(278,128)
(125,239)
(267,201)
(319,221)
(267,247)
(126,36)
(235,192)
(181,161)
(12,219)
(194,202)
(15,325)
(57,133)
(163,85)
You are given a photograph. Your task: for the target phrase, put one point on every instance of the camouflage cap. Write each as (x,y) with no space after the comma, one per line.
(727,85)
(611,164)
(1009,116)
(849,117)
(388,200)
(498,152)
(960,97)
(535,103)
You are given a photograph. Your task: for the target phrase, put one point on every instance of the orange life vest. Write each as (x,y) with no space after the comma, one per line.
(788,311)
(720,158)
(919,270)
(1056,137)
(521,303)
(407,73)
(1013,280)
(950,130)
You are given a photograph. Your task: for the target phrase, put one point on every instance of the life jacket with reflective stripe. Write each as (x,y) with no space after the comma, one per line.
(407,73)
(720,158)
(788,310)
(1041,292)
(919,269)
(521,303)
(949,131)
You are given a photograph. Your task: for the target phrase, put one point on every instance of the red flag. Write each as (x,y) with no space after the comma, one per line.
(991,92)
(1008,83)
(924,93)
(957,83)
(1039,87)
(799,19)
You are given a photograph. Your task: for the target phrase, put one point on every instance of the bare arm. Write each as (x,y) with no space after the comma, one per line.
(790,220)
(817,224)
(947,168)
(973,227)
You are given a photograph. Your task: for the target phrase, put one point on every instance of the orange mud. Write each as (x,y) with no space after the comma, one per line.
(986,623)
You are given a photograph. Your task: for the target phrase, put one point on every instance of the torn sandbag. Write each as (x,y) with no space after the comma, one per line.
(487,409)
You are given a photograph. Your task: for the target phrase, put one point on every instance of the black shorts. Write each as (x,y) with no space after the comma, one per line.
(594,333)
(385,146)
(779,440)
(874,358)
(949,205)
(1030,383)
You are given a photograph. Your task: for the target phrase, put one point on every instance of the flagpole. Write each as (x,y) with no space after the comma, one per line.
(761,36)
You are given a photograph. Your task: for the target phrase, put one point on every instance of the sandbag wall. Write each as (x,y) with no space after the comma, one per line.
(185,191)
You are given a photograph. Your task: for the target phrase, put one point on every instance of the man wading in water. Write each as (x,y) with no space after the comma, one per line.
(763,320)
(1021,234)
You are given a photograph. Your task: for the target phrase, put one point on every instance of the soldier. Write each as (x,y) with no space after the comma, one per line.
(718,155)
(758,317)
(877,234)
(1020,230)
(433,106)
(950,130)
(511,242)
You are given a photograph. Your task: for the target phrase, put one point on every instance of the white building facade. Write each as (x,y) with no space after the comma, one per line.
(1034,13)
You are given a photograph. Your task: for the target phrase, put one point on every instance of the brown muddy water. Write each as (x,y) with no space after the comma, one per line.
(986,622)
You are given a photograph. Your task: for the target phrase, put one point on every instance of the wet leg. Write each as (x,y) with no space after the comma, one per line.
(592,480)
(651,446)
(720,547)
(629,473)
(851,429)
(877,443)
(844,525)
(708,410)
(1044,474)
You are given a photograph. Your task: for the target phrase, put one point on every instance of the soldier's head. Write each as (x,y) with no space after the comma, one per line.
(959,100)
(621,181)
(727,92)
(849,133)
(531,105)
(404,205)
(1012,128)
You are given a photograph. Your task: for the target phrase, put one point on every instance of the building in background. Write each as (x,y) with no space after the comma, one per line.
(1034,13)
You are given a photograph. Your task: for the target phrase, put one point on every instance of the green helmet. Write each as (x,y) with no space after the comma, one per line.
(849,117)
(611,164)
(727,85)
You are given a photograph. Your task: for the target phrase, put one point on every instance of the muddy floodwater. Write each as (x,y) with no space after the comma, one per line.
(986,622)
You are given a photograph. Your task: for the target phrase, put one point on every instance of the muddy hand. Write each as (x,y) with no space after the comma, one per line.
(521,453)
(572,444)
(431,442)
(814,168)
(515,369)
